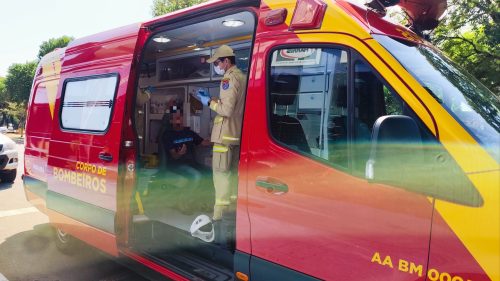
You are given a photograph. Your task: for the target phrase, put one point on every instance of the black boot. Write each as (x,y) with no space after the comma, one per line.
(224,234)
(219,232)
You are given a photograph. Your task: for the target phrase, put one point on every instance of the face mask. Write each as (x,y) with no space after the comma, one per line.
(218,70)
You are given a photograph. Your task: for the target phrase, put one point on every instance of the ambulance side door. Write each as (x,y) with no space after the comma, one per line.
(83,158)
(312,212)
(84,152)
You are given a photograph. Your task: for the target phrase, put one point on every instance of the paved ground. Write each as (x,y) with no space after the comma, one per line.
(27,250)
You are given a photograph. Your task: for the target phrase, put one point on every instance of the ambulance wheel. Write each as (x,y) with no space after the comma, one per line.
(66,243)
(8,176)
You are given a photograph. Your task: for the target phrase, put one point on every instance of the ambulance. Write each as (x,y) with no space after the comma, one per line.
(365,153)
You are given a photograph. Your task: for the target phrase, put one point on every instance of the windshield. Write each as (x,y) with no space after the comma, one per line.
(465,98)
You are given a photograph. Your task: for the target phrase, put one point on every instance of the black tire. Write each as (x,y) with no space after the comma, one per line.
(66,243)
(8,176)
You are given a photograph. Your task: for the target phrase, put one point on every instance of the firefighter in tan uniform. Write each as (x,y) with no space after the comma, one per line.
(227,128)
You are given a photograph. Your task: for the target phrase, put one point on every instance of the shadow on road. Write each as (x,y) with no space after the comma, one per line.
(32,255)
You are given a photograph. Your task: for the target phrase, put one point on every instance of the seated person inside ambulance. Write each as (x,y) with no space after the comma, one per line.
(179,144)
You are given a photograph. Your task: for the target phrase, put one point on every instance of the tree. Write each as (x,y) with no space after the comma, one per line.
(470,35)
(3,91)
(161,7)
(20,75)
(18,81)
(53,43)
(10,111)
(3,101)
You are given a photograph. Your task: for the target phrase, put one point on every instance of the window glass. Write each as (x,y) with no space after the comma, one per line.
(465,98)
(40,110)
(372,99)
(41,95)
(88,103)
(308,99)
(370,133)
(309,104)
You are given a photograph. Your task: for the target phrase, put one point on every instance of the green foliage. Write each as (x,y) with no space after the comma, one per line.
(53,43)
(3,94)
(18,81)
(3,91)
(11,112)
(15,88)
(161,7)
(470,35)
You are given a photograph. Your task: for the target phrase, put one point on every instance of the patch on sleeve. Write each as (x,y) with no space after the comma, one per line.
(225,83)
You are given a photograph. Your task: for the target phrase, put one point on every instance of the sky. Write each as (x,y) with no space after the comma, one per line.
(25,24)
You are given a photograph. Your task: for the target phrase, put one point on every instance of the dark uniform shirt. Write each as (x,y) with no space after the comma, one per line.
(175,140)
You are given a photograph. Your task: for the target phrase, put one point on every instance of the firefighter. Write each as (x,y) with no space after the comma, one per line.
(227,128)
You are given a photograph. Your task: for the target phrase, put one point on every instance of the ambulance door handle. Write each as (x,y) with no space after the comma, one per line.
(104,156)
(271,185)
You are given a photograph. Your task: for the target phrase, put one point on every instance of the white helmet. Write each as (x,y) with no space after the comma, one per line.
(199,222)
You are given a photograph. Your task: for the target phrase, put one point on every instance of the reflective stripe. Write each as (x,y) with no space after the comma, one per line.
(222,202)
(220,148)
(230,138)
(218,119)
(213,105)
(139,203)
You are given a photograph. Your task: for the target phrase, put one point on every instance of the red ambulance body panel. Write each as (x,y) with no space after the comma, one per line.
(327,223)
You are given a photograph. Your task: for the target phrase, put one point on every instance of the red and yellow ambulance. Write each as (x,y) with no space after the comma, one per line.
(365,153)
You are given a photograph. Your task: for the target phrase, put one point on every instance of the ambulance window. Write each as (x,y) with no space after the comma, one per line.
(308,102)
(88,102)
(402,158)
(41,109)
(372,99)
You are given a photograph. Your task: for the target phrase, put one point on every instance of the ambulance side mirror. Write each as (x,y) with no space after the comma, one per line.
(400,158)
(395,145)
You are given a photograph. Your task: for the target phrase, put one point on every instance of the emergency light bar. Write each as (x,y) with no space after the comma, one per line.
(308,14)
(422,14)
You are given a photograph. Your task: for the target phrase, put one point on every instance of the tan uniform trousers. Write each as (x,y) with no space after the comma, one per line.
(225,175)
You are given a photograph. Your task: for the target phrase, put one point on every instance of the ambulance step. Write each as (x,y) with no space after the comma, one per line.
(191,266)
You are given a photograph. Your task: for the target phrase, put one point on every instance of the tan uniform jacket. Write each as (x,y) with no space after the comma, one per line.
(229,108)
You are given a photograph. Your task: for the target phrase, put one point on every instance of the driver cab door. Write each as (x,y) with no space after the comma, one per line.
(312,212)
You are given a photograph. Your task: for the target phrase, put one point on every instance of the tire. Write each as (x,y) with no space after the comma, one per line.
(8,176)
(66,243)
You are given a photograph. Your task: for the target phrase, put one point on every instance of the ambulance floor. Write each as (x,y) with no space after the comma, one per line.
(169,216)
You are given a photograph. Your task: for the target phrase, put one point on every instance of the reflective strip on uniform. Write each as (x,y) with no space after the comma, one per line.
(222,202)
(230,138)
(213,105)
(218,119)
(220,148)
(139,203)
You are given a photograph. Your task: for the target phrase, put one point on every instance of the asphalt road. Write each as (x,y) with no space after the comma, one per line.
(28,252)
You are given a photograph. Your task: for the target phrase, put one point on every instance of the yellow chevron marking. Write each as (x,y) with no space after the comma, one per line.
(51,95)
(479,228)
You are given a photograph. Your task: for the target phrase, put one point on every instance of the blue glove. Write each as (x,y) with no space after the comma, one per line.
(148,90)
(203,96)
